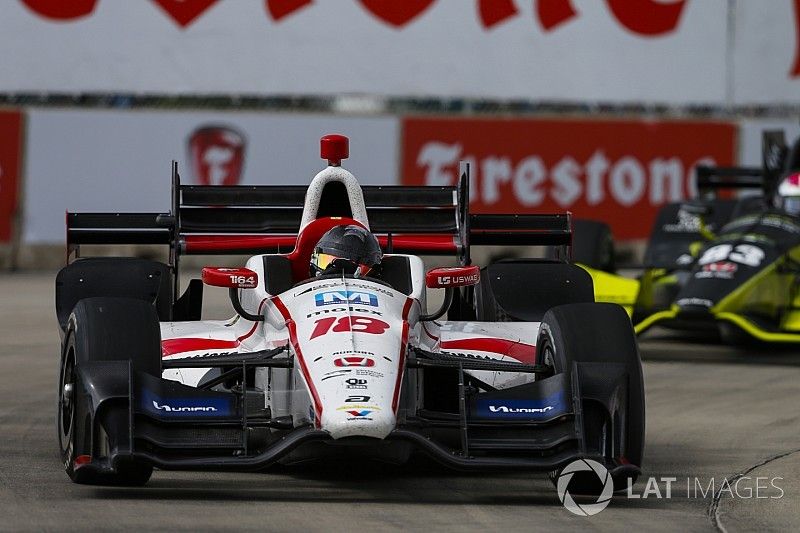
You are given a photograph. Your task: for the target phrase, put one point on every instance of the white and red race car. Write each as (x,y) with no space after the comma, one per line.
(526,371)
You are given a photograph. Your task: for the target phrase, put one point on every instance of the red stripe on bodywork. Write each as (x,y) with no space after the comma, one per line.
(522,352)
(191,344)
(255,324)
(402,363)
(293,339)
(429,334)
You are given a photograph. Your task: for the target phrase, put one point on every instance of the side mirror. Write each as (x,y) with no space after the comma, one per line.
(448,278)
(232,278)
(445,277)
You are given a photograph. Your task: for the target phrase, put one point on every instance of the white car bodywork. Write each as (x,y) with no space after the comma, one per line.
(349,339)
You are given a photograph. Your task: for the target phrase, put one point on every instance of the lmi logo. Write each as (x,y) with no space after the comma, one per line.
(345,297)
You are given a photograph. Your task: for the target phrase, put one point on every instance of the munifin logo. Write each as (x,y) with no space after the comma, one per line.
(185,409)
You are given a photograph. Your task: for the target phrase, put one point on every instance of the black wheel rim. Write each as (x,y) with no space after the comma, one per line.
(66,406)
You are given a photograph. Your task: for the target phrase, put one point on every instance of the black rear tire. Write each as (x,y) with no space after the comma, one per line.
(522,290)
(600,333)
(102,329)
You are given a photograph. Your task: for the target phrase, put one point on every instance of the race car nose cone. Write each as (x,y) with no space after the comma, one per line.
(334,148)
(360,421)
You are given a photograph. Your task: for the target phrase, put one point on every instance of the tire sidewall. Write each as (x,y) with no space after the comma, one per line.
(84,343)
(551,350)
(66,449)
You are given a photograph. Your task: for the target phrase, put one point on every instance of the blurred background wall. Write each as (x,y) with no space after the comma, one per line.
(599,107)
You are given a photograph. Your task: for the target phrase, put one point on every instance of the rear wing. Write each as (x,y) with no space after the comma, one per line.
(712,179)
(211,220)
(208,220)
(777,159)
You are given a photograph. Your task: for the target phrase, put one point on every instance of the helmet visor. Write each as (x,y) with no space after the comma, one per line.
(791,205)
(322,261)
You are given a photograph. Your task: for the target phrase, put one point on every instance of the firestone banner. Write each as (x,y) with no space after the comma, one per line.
(661,51)
(119,161)
(612,170)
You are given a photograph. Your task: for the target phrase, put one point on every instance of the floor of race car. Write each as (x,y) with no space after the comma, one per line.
(713,412)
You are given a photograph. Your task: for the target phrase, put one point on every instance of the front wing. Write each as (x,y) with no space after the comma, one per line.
(173,426)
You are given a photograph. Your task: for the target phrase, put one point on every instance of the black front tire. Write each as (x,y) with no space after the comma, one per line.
(600,336)
(102,329)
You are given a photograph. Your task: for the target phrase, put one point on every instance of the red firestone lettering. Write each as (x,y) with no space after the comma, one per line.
(553,13)
(647,17)
(279,9)
(493,12)
(184,12)
(60,9)
(396,13)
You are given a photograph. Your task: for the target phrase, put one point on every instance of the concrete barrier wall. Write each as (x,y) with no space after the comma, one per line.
(674,52)
(620,171)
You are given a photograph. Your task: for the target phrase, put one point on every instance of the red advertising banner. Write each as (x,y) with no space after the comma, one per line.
(618,171)
(10,150)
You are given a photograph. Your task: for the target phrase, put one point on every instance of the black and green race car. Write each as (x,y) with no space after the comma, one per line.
(725,264)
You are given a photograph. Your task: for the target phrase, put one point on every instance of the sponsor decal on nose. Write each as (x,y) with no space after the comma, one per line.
(346,297)
(185,408)
(553,405)
(209,406)
(354,361)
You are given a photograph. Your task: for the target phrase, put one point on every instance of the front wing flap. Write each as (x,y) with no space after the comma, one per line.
(174,426)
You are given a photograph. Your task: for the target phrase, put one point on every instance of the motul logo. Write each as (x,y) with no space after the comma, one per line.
(354,361)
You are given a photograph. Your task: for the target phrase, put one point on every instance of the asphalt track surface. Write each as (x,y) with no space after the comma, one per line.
(713,413)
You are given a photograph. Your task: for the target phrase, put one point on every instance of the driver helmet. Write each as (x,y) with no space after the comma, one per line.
(787,197)
(347,249)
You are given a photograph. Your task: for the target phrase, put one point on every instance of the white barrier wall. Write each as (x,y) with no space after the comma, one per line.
(666,51)
(120,160)
(766,52)
(614,170)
